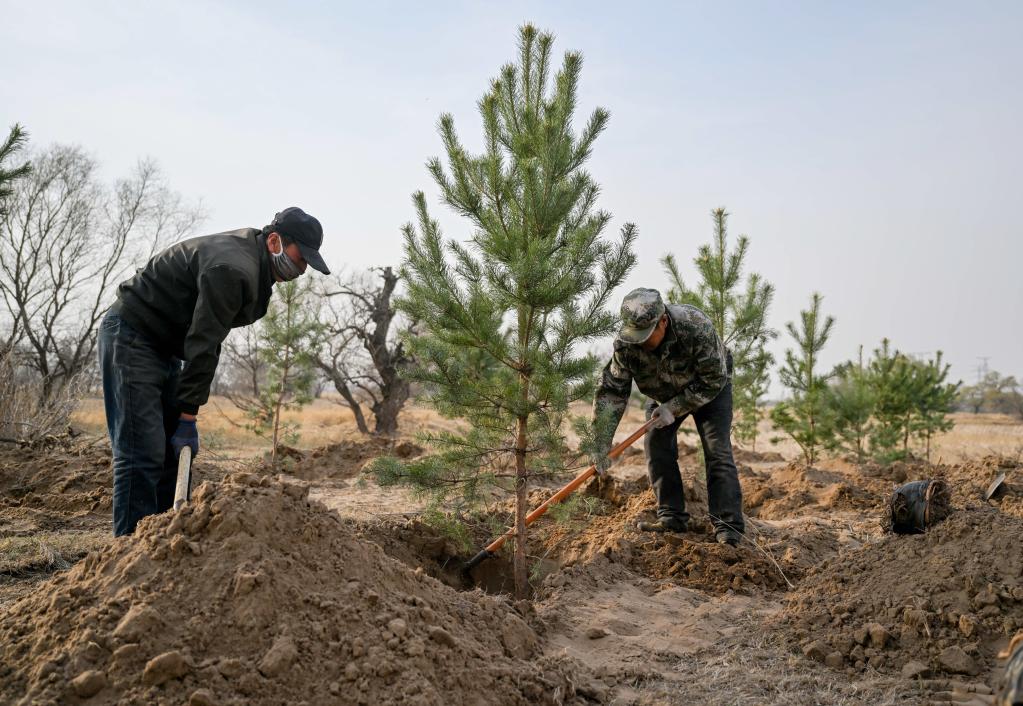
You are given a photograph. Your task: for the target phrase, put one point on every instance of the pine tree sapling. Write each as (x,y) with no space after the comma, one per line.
(754,383)
(800,417)
(933,400)
(890,377)
(739,312)
(848,408)
(502,313)
(285,342)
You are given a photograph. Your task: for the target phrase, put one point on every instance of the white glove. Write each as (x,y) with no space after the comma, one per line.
(602,463)
(662,416)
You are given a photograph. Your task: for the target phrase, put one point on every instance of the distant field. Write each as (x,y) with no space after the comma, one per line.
(325,422)
(973,436)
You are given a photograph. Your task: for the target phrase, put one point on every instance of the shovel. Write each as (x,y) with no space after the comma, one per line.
(496,545)
(183,487)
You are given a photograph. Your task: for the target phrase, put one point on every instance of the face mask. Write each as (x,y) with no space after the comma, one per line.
(283,266)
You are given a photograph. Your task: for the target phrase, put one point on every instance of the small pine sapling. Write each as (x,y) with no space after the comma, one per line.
(800,417)
(739,311)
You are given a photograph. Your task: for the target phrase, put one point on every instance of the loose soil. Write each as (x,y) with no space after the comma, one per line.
(53,489)
(320,586)
(255,595)
(949,599)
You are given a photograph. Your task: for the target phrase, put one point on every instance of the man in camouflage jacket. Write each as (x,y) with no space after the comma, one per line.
(677,359)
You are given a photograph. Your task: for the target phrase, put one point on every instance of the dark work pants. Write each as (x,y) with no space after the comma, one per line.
(139,395)
(714,422)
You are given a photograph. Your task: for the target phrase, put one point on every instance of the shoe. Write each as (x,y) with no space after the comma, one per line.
(665,524)
(729,537)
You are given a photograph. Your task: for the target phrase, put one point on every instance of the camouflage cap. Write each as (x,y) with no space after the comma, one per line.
(641,310)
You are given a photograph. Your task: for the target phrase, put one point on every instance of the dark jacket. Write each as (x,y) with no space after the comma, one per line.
(188,297)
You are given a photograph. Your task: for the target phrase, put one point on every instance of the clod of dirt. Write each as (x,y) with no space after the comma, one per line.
(945,599)
(253,594)
(281,655)
(164,667)
(953,659)
(88,684)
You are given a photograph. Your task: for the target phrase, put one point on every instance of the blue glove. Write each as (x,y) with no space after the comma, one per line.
(185,435)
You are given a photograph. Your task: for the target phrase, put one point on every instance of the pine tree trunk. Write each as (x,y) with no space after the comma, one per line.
(279,402)
(521,445)
(521,498)
(812,441)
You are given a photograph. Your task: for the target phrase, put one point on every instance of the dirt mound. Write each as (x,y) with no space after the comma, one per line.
(69,487)
(692,559)
(344,459)
(969,481)
(799,490)
(946,600)
(57,488)
(255,595)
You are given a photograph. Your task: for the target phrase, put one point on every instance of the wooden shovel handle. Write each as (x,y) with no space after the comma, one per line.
(615,452)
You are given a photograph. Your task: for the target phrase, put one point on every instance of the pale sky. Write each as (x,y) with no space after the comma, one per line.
(871,151)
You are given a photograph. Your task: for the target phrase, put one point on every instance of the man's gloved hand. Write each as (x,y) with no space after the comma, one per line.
(662,416)
(187,434)
(601,461)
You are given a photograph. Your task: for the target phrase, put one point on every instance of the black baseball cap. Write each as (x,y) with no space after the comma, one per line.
(305,231)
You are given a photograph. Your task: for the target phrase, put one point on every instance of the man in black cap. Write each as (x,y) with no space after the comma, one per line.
(178,309)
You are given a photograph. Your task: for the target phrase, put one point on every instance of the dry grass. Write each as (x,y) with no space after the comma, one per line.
(325,422)
(221,425)
(47,551)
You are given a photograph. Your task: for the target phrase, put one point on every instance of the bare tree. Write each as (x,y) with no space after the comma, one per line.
(243,371)
(360,353)
(67,242)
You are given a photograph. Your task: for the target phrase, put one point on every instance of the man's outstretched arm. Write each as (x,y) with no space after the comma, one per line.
(609,404)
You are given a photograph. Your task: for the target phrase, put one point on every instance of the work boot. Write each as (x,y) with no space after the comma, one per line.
(729,537)
(664,524)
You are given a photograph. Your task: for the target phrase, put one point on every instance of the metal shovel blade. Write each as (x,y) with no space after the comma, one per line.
(993,488)
(183,487)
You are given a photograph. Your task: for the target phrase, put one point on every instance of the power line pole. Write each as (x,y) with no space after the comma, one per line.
(982,368)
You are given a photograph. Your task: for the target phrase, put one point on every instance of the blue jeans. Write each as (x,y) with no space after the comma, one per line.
(139,396)
(724,496)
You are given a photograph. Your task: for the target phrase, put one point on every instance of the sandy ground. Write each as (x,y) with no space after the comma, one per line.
(653,620)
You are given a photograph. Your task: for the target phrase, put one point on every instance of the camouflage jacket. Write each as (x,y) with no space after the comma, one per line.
(1011,691)
(687,370)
